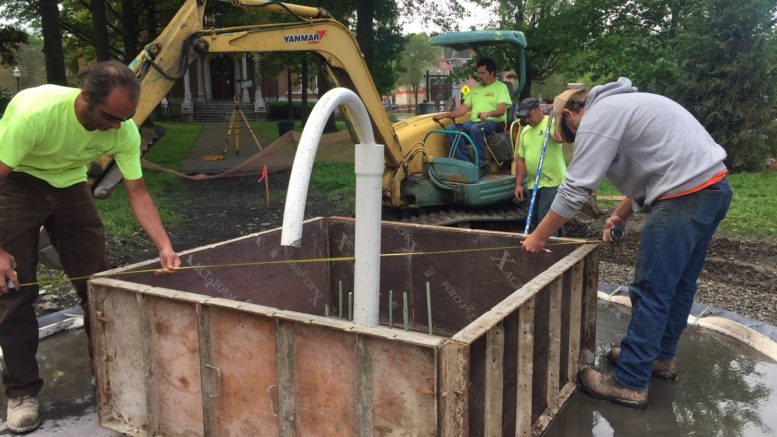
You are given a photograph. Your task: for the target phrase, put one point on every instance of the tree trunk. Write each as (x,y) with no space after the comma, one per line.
(288,94)
(365,12)
(323,87)
(52,43)
(100,30)
(129,30)
(304,77)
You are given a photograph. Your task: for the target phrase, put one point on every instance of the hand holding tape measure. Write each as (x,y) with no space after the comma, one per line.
(614,230)
(7,273)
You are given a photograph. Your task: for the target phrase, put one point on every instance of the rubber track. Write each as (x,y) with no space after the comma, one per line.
(452,217)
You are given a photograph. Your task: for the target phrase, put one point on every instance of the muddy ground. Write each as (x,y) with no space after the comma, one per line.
(740,274)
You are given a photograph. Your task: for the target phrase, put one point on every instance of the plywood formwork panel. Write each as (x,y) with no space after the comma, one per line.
(324,381)
(176,360)
(402,381)
(118,349)
(243,359)
(510,331)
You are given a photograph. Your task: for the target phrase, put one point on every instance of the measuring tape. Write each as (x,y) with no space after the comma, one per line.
(617,234)
(569,241)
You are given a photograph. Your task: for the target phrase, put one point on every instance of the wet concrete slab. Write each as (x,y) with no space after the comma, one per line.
(67,399)
(724,389)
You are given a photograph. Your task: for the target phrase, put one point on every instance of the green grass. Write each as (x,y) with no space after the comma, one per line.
(168,152)
(116,212)
(337,179)
(269,128)
(753,209)
(175,145)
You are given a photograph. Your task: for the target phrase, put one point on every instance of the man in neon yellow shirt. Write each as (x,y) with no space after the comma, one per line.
(487,104)
(48,135)
(527,159)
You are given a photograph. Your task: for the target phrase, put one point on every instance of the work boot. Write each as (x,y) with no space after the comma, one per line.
(661,369)
(23,414)
(604,386)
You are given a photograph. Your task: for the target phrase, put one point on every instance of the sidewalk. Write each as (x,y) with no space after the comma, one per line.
(211,142)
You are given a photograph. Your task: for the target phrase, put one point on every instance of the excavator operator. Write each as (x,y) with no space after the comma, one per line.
(487,104)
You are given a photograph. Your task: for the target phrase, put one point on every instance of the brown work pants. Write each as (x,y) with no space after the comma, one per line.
(76,232)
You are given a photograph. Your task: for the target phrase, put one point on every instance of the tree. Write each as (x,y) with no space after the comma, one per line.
(365,11)
(100,31)
(52,42)
(724,77)
(11,39)
(418,57)
(388,44)
(548,48)
(714,57)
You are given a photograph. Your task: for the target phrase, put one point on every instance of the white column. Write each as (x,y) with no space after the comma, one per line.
(259,104)
(186,105)
(206,74)
(236,70)
(200,79)
(244,80)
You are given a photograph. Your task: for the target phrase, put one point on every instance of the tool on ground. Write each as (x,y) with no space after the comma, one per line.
(617,234)
(234,124)
(537,177)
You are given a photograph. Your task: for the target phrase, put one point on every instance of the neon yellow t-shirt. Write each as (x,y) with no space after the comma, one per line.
(486,99)
(554,168)
(40,135)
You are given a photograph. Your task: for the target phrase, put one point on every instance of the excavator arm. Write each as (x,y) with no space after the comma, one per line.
(165,60)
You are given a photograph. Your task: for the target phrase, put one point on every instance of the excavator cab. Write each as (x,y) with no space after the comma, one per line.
(453,182)
(499,145)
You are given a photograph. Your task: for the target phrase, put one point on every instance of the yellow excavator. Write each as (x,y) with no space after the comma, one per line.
(421,181)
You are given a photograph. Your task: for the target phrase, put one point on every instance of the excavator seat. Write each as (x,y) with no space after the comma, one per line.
(500,147)
(454,170)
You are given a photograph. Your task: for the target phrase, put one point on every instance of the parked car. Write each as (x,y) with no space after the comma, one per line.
(390,106)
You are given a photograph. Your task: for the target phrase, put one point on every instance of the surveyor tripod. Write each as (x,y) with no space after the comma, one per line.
(234,127)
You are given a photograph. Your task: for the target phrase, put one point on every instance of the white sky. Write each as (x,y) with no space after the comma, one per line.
(477,17)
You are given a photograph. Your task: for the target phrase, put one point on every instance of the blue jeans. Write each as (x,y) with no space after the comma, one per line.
(476,131)
(673,246)
(542,204)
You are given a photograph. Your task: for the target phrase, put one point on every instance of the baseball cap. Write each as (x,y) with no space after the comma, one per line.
(526,105)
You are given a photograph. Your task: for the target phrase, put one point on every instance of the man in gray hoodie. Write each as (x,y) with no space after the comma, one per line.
(667,165)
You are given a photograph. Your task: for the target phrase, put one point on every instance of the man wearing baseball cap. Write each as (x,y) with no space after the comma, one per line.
(527,159)
(667,165)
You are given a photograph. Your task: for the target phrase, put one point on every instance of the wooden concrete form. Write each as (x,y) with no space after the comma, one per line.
(181,356)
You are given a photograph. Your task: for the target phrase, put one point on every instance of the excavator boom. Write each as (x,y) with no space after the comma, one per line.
(166,59)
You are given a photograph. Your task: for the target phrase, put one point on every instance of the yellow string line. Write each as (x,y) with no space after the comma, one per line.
(299,261)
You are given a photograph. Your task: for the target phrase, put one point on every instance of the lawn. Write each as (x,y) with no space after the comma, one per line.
(169,152)
(336,178)
(752,211)
(269,128)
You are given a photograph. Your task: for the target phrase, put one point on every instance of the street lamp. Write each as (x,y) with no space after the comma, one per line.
(17,74)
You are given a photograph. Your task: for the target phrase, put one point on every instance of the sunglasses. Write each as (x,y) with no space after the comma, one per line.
(110,117)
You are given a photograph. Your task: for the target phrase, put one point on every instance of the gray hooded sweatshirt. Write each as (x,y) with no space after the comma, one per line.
(647,145)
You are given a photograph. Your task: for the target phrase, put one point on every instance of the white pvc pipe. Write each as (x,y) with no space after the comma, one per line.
(369,173)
